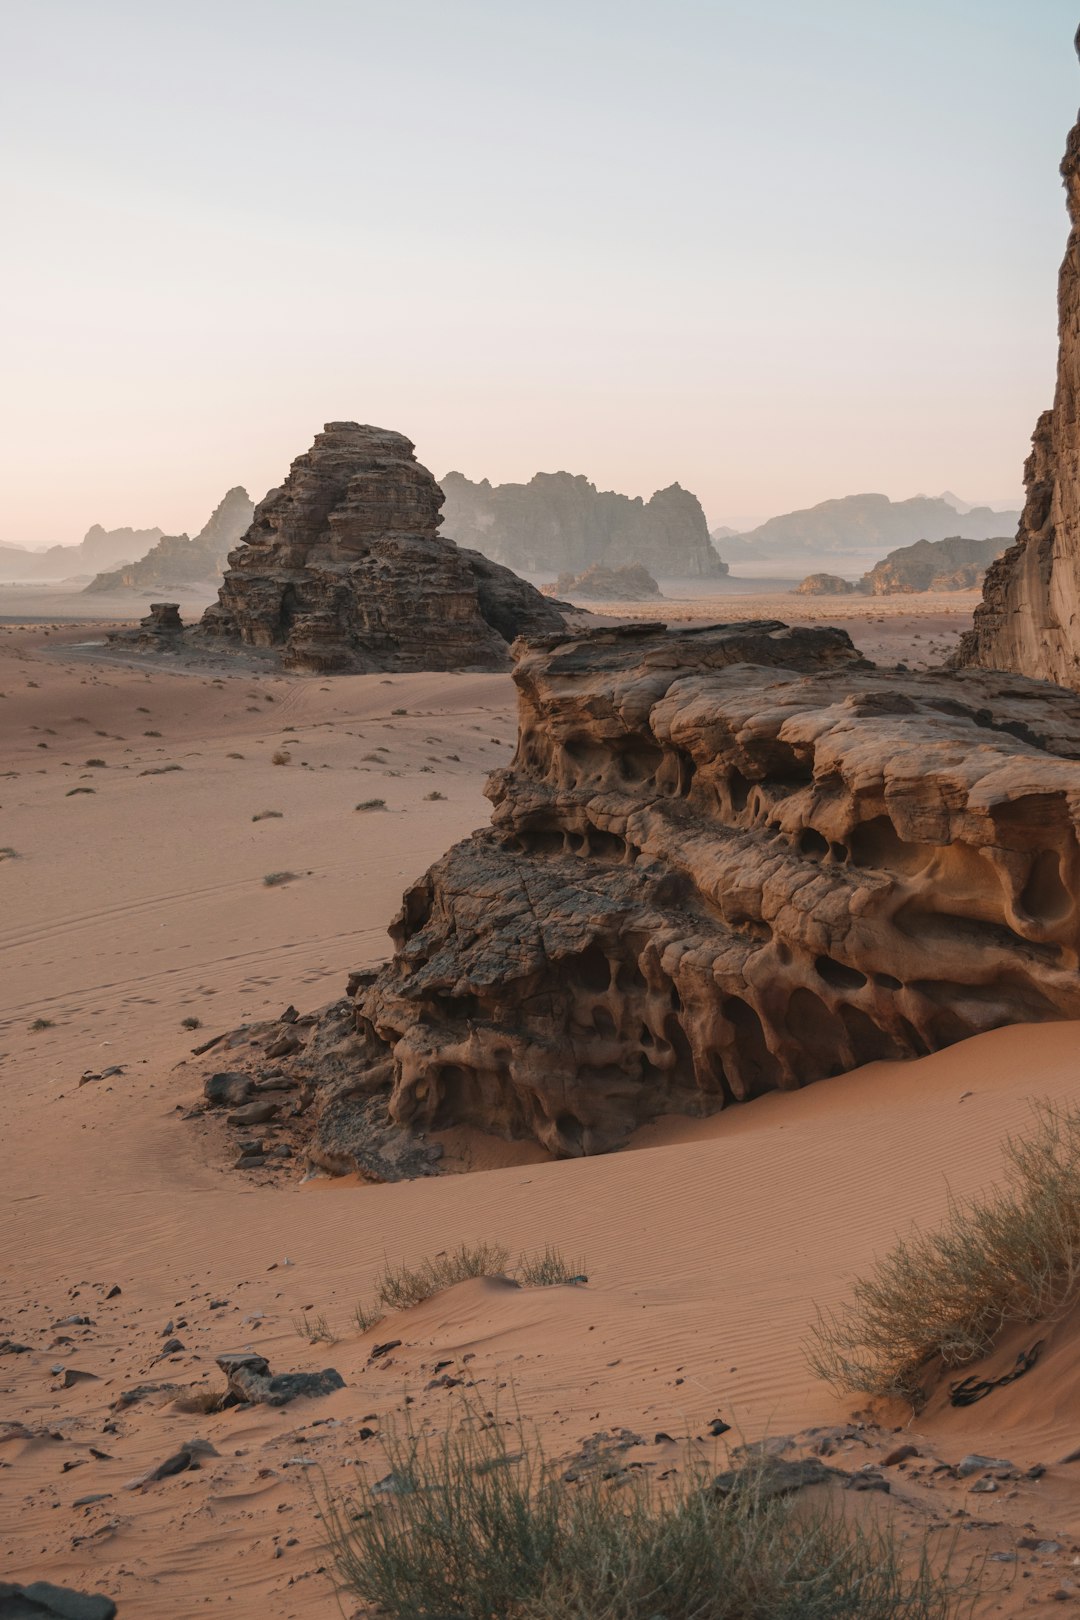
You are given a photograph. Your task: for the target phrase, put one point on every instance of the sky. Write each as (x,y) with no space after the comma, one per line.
(774,250)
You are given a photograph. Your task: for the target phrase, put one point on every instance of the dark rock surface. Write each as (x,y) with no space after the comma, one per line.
(43,1601)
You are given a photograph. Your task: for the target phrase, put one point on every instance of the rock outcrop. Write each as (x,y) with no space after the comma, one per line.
(722,862)
(630,584)
(952,564)
(343,569)
(561,523)
(1029,618)
(99,548)
(862,523)
(178,560)
(825,585)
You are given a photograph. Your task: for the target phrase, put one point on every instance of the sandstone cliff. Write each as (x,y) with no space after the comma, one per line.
(953,564)
(862,523)
(559,523)
(722,862)
(99,548)
(1029,618)
(343,569)
(178,560)
(630,584)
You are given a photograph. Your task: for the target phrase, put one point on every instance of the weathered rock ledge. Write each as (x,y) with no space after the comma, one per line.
(722,862)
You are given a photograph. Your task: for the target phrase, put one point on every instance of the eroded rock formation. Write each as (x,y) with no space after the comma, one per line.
(952,564)
(598,583)
(722,862)
(559,522)
(178,560)
(1029,618)
(825,585)
(343,569)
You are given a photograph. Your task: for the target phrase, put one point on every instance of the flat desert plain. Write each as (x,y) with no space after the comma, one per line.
(134,898)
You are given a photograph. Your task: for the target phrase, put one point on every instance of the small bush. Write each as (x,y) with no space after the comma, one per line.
(546,1269)
(267,815)
(435,794)
(399,711)
(97,764)
(315,1329)
(71,792)
(402,1286)
(476,1523)
(372,804)
(365,1318)
(1007,1256)
(191,1023)
(9,854)
(161,770)
(234,756)
(274,880)
(151,733)
(280,757)
(40,1024)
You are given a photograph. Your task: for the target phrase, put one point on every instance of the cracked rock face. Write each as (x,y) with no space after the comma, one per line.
(1028,618)
(724,862)
(343,569)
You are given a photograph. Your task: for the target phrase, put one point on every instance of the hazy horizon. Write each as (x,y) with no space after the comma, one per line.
(776,257)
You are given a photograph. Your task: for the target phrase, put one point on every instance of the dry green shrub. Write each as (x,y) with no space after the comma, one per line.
(315,1329)
(476,1523)
(1009,1255)
(280,757)
(546,1269)
(274,880)
(372,804)
(367,1317)
(268,815)
(434,794)
(402,1286)
(41,1023)
(191,1022)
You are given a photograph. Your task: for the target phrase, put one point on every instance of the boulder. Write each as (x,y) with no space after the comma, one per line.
(43,1601)
(630,584)
(250,1380)
(825,585)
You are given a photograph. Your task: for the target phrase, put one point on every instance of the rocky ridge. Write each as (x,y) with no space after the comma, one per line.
(178,560)
(561,523)
(1027,620)
(722,862)
(952,564)
(598,583)
(343,569)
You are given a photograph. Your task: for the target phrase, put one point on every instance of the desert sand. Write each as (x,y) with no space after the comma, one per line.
(707,1245)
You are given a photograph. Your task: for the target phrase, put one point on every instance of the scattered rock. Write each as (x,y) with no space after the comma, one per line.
(228,1089)
(899,1454)
(43,1601)
(777,1476)
(254,1113)
(250,1380)
(974,1463)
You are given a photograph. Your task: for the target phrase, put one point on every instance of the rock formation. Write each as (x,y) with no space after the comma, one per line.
(99,548)
(178,560)
(862,523)
(825,585)
(561,523)
(1029,618)
(952,564)
(343,569)
(722,862)
(630,584)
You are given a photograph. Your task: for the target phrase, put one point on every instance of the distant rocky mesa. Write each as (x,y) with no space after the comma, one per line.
(561,523)
(343,569)
(631,584)
(953,564)
(862,523)
(1028,618)
(178,560)
(98,548)
(722,862)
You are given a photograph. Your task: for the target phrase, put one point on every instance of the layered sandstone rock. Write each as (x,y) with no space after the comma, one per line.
(343,569)
(177,559)
(825,585)
(560,522)
(630,584)
(1029,618)
(953,564)
(722,862)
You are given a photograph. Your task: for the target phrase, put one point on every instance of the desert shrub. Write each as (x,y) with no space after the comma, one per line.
(1009,1255)
(71,792)
(435,794)
(399,711)
(9,854)
(97,764)
(191,1023)
(315,1329)
(402,1286)
(41,1023)
(151,733)
(475,1523)
(274,880)
(372,804)
(546,1268)
(366,1317)
(267,815)
(280,757)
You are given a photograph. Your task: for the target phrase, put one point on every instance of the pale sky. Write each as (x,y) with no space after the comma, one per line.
(776,250)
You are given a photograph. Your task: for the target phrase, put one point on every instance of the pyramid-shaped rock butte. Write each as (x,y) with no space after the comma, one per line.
(343,569)
(722,862)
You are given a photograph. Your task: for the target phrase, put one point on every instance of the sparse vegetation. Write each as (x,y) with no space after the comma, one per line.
(234,756)
(151,733)
(1009,1255)
(402,1286)
(71,792)
(41,1023)
(267,815)
(366,1318)
(476,1523)
(399,711)
(434,794)
(546,1269)
(372,804)
(161,770)
(9,854)
(274,880)
(191,1023)
(315,1329)
(97,764)
(280,757)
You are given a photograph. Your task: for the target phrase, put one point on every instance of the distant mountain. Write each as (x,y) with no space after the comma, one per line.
(952,564)
(561,523)
(861,523)
(98,548)
(178,560)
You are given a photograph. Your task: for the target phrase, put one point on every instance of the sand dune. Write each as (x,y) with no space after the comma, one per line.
(708,1245)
